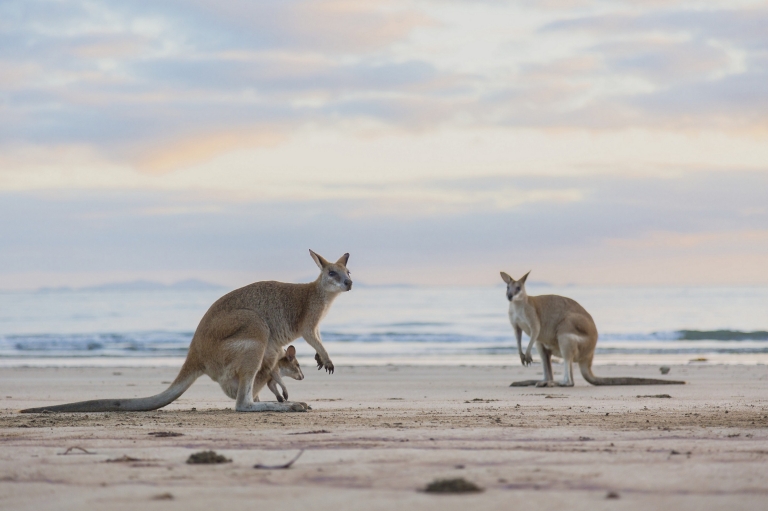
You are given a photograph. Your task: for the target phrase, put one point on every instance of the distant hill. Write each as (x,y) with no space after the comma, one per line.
(142,285)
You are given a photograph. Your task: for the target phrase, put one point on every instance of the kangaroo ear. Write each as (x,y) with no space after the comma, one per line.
(522,280)
(343,260)
(506,278)
(291,352)
(319,260)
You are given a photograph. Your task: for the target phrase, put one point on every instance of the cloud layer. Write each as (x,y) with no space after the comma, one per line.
(143,81)
(599,230)
(437,141)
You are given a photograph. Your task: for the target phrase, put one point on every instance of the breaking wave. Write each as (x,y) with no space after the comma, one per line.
(402,340)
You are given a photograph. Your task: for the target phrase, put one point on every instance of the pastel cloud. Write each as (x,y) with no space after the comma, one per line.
(600,230)
(335,26)
(132,78)
(577,137)
(681,68)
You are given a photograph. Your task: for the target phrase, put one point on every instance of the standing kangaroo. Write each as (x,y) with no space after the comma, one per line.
(240,340)
(558,326)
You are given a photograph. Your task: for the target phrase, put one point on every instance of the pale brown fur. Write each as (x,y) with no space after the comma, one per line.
(240,339)
(558,326)
(288,365)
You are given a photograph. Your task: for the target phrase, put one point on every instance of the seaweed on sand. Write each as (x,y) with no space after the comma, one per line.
(458,485)
(207,458)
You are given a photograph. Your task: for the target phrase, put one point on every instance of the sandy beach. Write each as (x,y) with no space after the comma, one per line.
(377,435)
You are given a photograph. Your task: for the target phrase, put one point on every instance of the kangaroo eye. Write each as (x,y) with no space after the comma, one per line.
(332,273)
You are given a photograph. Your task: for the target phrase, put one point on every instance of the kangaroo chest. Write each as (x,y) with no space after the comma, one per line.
(518,318)
(524,317)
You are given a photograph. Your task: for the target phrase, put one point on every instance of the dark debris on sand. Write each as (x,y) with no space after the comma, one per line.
(207,458)
(459,485)
(124,459)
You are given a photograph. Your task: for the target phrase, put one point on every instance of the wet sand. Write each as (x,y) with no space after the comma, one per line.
(377,435)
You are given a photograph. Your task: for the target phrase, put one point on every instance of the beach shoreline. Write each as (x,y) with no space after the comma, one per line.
(503,361)
(376,435)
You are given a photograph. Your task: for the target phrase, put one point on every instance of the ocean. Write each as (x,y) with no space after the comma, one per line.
(374,325)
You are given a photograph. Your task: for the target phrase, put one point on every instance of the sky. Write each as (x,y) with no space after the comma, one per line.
(438,142)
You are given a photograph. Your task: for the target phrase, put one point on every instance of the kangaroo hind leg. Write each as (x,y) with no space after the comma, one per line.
(245,402)
(249,364)
(265,375)
(546,361)
(570,346)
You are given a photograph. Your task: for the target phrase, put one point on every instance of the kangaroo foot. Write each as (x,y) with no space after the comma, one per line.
(547,384)
(272,407)
(525,383)
(298,406)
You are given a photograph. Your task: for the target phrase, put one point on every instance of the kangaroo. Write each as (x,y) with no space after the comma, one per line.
(558,326)
(240,339)
(289,366)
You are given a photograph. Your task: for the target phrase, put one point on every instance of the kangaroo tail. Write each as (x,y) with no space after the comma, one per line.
(183,381)
(586,372)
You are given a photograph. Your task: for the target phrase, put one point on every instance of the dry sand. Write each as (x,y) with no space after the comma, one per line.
(377,435)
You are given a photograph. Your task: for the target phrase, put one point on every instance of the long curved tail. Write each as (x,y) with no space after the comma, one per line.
(586,372)
(183,381)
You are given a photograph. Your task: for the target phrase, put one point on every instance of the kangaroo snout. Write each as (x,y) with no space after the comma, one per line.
(348,283)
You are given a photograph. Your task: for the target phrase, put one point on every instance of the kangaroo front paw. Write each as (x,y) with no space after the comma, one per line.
(320,364)
(280,399)
(285,394)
